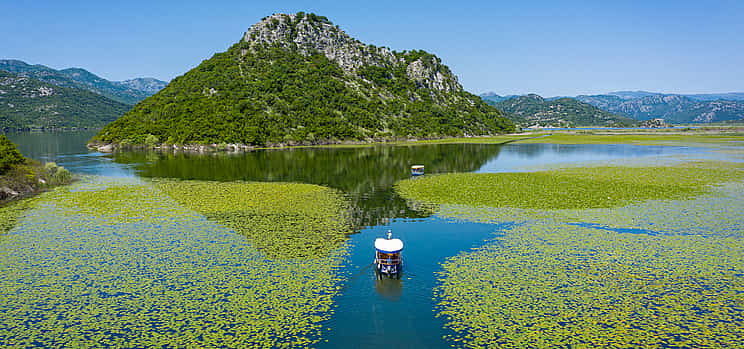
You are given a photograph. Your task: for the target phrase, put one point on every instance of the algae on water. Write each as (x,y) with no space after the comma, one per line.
(570,188)
(657,261)
(114,263)
(282,220)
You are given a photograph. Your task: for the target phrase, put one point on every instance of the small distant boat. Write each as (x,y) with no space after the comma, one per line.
(417,170)
(388,255)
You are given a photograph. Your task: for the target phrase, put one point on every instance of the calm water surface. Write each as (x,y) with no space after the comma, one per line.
(369,311)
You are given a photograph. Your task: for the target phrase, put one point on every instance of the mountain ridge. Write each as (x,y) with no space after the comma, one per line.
(674,108)
(28,103)
(127,92)
(730,96)
(534,110)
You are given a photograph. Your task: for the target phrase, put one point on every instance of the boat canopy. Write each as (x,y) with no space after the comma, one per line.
(389,245)
(417,167)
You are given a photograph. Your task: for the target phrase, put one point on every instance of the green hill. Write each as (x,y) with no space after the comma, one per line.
(28,103)
(533,110)
(300,79)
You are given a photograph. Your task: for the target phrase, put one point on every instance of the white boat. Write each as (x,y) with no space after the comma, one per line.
(417,170)
(388,257)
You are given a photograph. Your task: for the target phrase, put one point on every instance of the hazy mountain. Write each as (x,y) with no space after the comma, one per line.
(632,94)
(30,103)
(731,96)
(298,78)
(148,85)
(534,110)
(671,108)
(492,98)
(128,92)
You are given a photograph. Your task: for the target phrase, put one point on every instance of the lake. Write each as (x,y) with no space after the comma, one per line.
(366,310)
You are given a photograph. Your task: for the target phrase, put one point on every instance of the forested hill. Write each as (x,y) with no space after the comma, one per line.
(533,110)
(29,103)
(300,79)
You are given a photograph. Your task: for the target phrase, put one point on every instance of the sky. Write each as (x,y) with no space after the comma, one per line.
(552,48)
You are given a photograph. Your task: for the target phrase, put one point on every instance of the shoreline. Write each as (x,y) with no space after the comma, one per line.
(707,131)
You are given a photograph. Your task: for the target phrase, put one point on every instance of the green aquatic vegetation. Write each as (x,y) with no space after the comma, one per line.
(654,271)
(12,212)
(545,283)
(75,276)
(723,214)
(570,188)
(691,140)
(282,220)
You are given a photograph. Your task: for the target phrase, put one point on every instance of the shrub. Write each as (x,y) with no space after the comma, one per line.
(151,140)
(9,155)
(60,176)
(50,168)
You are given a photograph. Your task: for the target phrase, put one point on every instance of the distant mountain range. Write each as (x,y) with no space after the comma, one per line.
(673,108)
(29,103)
(533,110)
(731,96)
(127,92)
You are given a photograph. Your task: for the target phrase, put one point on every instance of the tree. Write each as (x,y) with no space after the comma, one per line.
(9,155)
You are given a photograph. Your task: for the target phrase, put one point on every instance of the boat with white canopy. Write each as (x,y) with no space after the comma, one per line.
(388,257)
(417,170)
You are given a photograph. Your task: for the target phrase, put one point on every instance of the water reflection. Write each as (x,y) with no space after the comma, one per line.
(67,149)
(365,174)
(389,288)
(518,156)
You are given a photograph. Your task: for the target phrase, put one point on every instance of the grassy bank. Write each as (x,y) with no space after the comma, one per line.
(22,178)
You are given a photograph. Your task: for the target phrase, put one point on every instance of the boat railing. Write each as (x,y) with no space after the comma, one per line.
(389,260)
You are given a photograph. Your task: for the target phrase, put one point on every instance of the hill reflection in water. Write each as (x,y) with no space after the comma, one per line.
(365,174)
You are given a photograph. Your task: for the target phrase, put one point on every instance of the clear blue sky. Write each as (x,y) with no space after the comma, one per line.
(510,47)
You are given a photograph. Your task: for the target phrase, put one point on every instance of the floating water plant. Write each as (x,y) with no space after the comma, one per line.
(647,270)
(11,212)
(686,140)
(283,220)
(118,264)
(550,284)
(571,188)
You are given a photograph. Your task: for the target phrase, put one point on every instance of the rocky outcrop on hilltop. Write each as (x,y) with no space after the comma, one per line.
(299,79)
(309,33)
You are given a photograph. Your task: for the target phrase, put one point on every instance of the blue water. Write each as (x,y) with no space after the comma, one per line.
(370,312)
